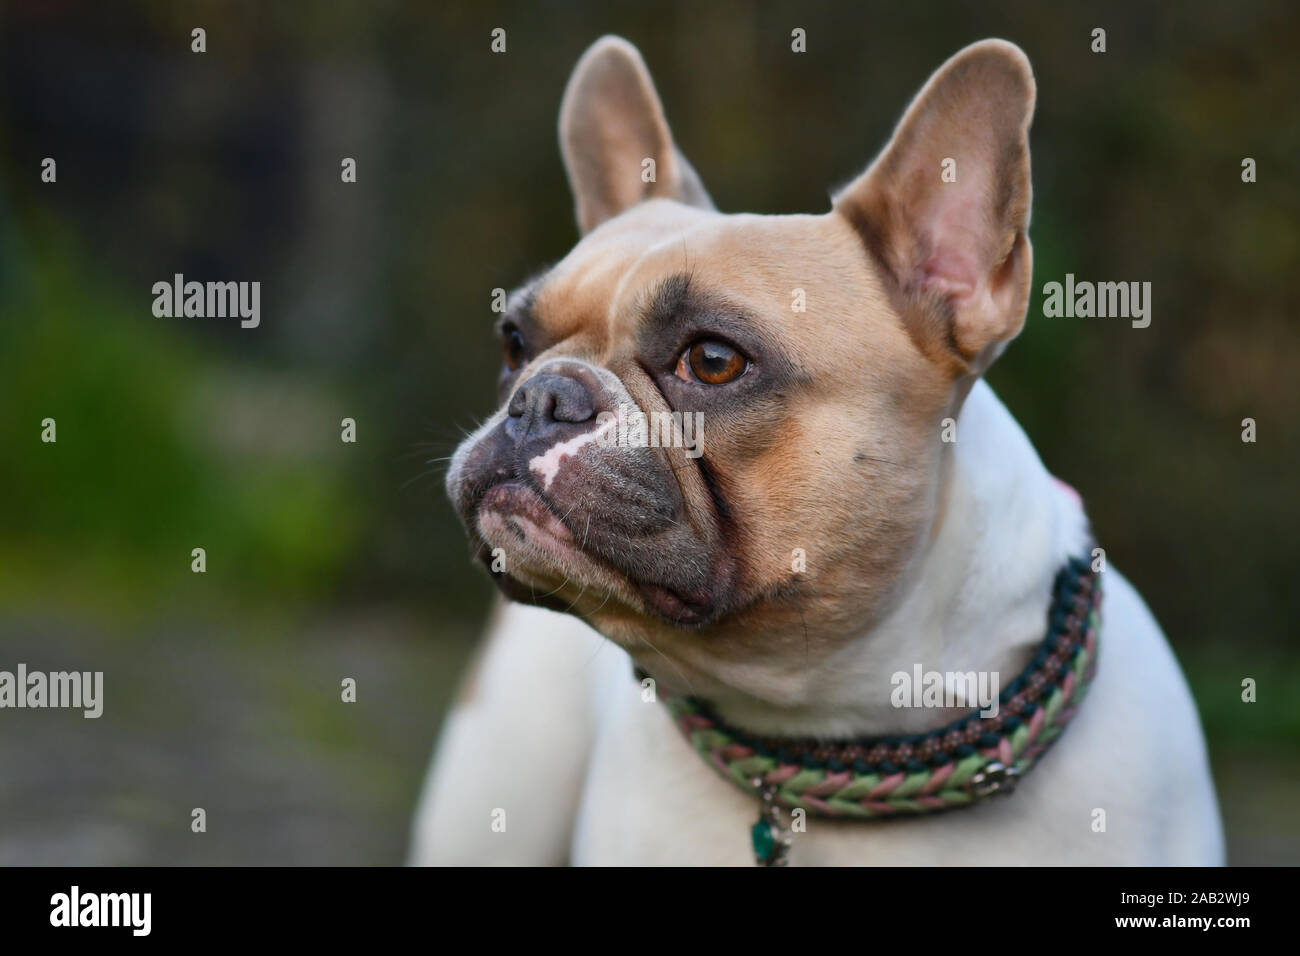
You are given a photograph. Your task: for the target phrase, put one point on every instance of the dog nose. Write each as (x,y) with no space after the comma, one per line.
(547,400)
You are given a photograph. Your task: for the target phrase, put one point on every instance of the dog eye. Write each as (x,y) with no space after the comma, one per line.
(512,344)
(711,362)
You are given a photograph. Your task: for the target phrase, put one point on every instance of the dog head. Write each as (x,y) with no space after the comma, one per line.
(719,436)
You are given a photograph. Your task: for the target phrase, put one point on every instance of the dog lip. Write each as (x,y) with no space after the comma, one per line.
(516,497)
(513,497)
(672,606)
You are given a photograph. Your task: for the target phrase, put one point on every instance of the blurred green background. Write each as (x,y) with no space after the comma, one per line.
(328,560)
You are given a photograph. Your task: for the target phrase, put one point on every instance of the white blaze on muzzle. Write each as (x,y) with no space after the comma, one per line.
(547,465)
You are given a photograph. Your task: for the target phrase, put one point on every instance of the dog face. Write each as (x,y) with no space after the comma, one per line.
(816,357)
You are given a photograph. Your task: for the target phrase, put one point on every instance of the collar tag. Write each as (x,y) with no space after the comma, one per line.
(770,836)
(994,778)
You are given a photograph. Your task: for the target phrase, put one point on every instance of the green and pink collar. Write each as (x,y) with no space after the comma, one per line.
(953,766)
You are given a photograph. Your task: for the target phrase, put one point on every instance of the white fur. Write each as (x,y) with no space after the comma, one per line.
(558,735)
(547,464)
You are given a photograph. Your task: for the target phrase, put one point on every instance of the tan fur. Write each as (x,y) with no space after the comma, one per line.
(881,387)
(976,111)
(610,123)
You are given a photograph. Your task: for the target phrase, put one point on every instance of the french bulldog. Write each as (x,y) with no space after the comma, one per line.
(856,503)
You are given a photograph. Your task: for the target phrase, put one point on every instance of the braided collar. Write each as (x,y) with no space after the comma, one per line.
(953,766)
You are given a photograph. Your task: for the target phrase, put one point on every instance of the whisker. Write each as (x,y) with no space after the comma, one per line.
(576,600)
(685,681)
(560,588)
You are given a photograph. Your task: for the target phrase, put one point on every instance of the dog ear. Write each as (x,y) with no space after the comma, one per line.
(611,122)
(945,208)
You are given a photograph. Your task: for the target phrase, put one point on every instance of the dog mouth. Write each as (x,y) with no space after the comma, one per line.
(524,513)
(674,607)
(513,512)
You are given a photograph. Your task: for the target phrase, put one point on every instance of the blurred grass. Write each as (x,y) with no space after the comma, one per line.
(242,717)
(110,511)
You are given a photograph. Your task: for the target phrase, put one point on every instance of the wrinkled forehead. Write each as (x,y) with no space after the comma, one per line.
(604,287)
(603,277)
